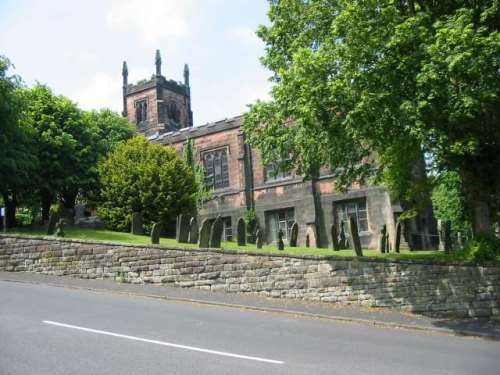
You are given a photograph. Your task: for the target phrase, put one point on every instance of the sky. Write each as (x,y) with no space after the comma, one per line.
(77,48)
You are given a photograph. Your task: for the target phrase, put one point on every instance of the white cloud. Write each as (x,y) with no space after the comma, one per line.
(103,90)
(81,57)
(247,36)
(155,20)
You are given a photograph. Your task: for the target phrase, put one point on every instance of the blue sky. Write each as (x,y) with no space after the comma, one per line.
(77,48)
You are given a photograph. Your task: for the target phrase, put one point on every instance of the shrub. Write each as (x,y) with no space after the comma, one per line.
(483,248)
(150,178)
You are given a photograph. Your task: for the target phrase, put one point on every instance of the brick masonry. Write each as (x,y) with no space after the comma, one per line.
(458,290)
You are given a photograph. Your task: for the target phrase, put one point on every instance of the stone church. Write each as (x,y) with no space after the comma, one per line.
(161,110)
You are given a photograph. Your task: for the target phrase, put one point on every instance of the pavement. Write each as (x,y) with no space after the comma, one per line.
(482,328)
(68,326)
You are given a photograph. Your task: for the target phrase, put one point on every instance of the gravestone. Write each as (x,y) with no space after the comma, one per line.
(182,228)
(335,239)
(353,233)
(193,231)
(53,220)
(241,232)
(136,226)
(387,243)
(204,236)
(382,239)
(60,228)
(343,243)
(398,237)
(281,244)
(155,233)
(308,241)
(259,238)
(216,232)
(294,234)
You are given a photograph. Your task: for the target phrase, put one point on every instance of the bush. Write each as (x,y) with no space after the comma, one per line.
(150,178)
(483,248)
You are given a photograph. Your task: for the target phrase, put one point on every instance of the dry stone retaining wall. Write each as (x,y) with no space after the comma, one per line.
(435,289)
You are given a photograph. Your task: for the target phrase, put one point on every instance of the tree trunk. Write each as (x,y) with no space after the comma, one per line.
(10,209)
(47,199)
(480,215)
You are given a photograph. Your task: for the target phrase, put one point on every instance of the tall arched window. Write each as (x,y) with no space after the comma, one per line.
(216,168)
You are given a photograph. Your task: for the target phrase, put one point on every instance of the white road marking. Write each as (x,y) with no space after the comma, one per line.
(186,347)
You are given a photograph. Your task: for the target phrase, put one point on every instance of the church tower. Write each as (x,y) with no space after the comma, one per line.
(157,105)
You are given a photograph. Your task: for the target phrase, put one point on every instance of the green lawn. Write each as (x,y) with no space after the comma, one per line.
(106,235)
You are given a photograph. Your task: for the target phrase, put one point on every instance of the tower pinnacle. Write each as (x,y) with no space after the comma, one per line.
(125,73)
(158,62)
(186,75)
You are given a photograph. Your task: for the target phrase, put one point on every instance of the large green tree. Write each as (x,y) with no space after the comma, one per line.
(369,87)
(150,178)
(17,160)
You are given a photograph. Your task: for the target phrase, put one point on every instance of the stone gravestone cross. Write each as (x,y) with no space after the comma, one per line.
(136,227)
(193,231)
(335,239)
(281,244)
(216,232)
(241,232)
(259,238)
(398,237)
(155,233)
(353,233)
(204,236)
(294,233)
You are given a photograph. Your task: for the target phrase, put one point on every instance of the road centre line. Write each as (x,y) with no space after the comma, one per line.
(163,343)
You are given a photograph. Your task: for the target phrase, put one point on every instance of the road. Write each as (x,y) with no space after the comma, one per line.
(52,330)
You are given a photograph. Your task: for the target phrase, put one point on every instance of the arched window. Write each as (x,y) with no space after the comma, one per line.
(216,168)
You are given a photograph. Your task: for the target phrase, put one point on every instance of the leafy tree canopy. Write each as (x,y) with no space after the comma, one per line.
(150,178)
(385,78)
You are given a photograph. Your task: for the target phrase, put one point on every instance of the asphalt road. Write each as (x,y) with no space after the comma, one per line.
(51,330)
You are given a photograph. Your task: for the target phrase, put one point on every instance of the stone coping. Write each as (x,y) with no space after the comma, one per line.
(254,253)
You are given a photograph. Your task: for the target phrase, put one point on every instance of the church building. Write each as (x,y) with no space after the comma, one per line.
(161,110)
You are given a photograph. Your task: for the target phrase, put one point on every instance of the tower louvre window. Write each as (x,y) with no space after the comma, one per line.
(216,168)
(141,110)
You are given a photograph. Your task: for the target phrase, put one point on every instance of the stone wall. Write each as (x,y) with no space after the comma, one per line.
(416,286)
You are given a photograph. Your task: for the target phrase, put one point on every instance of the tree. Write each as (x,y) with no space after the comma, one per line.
(150,178)
(203,193)
(448,201)
(17,161)
(64,146)
(369,87)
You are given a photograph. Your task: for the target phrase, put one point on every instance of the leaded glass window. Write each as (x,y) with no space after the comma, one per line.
(280,220)
(357,210)
(216,168)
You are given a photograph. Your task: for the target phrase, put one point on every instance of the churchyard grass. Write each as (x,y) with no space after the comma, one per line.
(111,236)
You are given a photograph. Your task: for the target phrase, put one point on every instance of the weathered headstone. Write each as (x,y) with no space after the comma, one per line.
(335,239)
(382,239)
(53,220)
(308,241)
(155,233)
(398,237)
(204,236)
(182,228)
(216,232)
(294,234)
(387,243)
(259,238)
(60,228)
(353,233)
(241,232)
(343,244)
(281,244)
(136,225)
(193,231)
